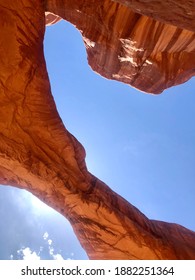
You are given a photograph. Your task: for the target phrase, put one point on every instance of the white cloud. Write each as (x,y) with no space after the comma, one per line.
(45,235)
(51,250)
(49,241)
(54,256)
(58,257)
(27,254)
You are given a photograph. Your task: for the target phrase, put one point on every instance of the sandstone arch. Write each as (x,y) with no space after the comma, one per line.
(38,153)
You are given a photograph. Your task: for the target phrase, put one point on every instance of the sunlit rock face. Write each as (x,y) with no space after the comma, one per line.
(38,153)
(133,48)
(51,18)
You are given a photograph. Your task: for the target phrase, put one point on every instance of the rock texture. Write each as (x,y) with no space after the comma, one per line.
(38,153)
(180,13)
(129,47)
(51,18)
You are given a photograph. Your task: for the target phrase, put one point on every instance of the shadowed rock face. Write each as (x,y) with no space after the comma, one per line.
(37,153)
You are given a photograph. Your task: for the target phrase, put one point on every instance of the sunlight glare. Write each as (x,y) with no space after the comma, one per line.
(40,206)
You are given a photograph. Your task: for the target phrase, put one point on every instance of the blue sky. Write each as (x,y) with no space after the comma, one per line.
(141,145)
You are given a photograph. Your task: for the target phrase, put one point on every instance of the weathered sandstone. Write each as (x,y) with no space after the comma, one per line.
(37,153)
(129,47)
(180,13)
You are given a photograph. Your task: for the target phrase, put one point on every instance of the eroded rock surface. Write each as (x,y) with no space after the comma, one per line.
(38,153)
(180,13)
(132,48)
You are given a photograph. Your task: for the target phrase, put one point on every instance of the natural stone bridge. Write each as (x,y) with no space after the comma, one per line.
(37,153)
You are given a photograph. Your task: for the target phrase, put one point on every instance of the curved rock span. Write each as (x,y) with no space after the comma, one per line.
(37,153)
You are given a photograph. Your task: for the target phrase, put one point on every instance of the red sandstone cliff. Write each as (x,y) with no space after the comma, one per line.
(38,153)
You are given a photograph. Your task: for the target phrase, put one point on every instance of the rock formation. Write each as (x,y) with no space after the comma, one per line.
(180,13)
(133,48)
(37,153)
